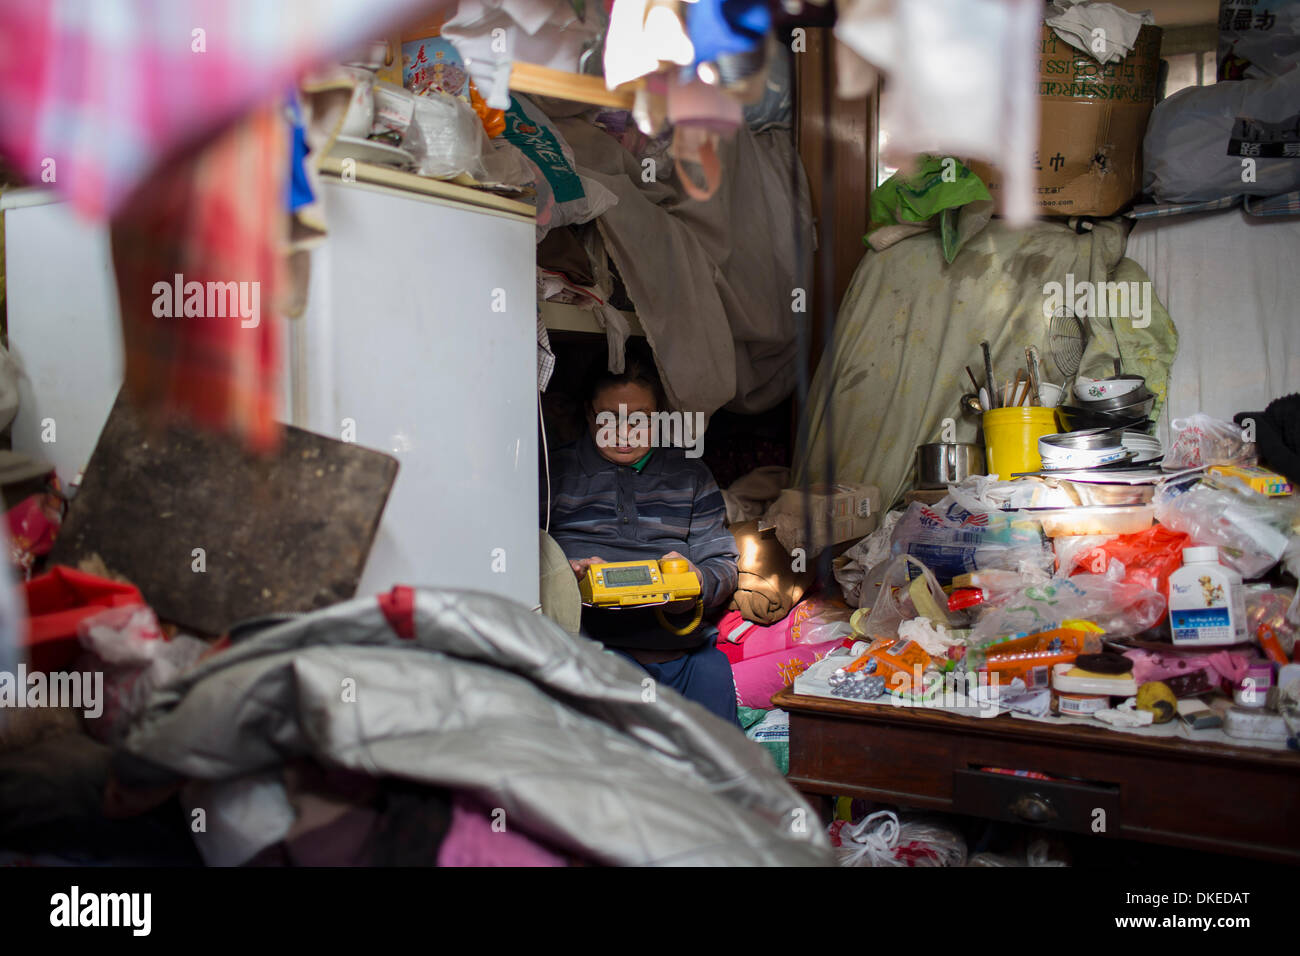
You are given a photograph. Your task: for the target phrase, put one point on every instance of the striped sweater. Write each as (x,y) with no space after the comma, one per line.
(613,511)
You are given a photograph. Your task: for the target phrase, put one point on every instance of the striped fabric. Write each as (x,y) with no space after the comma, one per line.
(1285,204)
(600,509)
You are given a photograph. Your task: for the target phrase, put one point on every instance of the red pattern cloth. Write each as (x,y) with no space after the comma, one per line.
(216,216)
(109,89)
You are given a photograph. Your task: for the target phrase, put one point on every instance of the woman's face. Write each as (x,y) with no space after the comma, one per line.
(620,422)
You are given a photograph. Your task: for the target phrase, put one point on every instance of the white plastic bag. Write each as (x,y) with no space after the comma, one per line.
(1251,531)
(1197,139)
(1203,440)
(394,110)
(882,839)
(137,660)
(446,137)
(951,540)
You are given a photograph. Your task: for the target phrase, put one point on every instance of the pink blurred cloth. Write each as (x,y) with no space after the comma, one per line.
(94,94)
(471,841)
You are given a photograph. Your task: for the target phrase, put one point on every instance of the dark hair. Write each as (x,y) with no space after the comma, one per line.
(638,369)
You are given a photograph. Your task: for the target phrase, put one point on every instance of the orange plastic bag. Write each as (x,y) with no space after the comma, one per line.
(1148,557)
(494,121)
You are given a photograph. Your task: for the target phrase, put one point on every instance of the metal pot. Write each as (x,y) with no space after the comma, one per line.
(940,464)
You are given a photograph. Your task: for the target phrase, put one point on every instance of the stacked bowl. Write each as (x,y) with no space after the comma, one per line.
(1109,424)
(1089,448)
(1122,401)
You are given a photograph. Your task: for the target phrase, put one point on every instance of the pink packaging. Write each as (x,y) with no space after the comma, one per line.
(754,640)
(758,678)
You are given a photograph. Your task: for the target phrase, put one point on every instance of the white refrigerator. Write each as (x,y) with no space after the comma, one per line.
(419,340)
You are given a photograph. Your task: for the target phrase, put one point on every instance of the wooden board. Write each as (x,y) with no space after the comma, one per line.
(285,532)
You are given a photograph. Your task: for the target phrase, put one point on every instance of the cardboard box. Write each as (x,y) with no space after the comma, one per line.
(1091,125)
(854,512)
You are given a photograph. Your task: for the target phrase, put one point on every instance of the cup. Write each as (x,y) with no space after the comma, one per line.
(1011,438)
(1049,395)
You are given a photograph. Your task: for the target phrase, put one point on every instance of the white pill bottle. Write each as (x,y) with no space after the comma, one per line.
(1207,604)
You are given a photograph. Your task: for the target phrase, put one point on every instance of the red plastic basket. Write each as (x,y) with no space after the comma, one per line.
(57,602)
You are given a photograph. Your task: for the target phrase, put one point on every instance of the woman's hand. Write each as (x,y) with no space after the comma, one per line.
(580,567)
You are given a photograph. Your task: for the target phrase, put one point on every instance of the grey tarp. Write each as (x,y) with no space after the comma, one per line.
(569,740)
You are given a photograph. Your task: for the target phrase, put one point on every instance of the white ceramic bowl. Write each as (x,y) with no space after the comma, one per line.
(1099,389)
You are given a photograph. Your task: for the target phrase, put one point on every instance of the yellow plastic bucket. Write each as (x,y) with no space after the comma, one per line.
(1011,438)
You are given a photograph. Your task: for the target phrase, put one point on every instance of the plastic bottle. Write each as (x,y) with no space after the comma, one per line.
(1207,603)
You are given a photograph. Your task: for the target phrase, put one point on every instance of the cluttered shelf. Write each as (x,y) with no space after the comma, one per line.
(387,176)
(564,317)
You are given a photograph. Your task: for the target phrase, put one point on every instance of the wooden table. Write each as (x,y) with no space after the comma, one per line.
(1207,796)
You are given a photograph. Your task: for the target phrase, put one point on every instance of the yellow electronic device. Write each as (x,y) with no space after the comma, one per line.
(639,583)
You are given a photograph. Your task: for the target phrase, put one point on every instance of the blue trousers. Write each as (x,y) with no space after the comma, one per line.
(702,675)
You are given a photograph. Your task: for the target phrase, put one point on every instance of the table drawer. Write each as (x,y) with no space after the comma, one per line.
(1051,804)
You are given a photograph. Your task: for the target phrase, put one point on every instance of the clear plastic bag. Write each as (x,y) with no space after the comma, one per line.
(854,565)
(446,137)
(1202,440)
(1080,551)
(138,660)
(1250,530)
(1266,619)
(818,619)
(1120,608)
(894,603)
(1144,557)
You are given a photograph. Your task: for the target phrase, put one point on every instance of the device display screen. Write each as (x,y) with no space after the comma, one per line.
(626,577)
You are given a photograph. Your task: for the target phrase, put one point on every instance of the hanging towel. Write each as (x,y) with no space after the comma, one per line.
(1102,30)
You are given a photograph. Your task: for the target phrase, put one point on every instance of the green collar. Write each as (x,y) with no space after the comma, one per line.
(639,466)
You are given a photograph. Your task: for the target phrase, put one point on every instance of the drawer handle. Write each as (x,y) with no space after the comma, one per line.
(1033,808)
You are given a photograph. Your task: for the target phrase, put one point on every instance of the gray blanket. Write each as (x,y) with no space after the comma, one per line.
(573,743)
